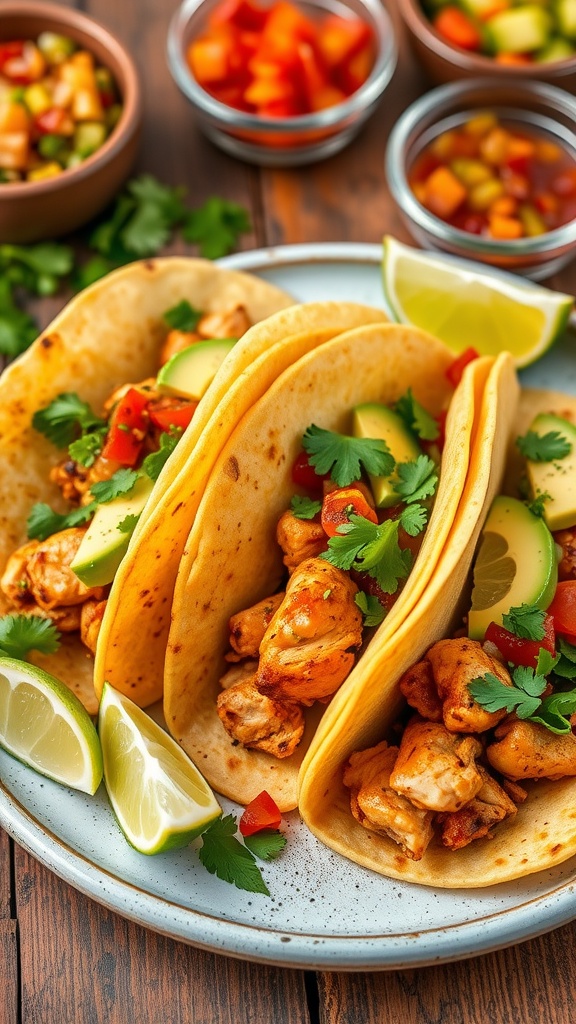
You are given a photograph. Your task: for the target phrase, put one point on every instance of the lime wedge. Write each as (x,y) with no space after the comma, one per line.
(43,724)
(468,305)
(159,797)
(516,564)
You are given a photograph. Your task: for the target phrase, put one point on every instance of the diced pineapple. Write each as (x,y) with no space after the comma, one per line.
(49,170)
(483,195)
(14,148)
(37,98)
(520,30)
(470,172)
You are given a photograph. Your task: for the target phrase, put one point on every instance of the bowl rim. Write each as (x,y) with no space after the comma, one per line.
(559,101)
(228,117)
(130,118)
(479,63)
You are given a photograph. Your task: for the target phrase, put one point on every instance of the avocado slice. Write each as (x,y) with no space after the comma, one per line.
(516,564)
(374,420)
(189,372)
(557,478)
(105,544)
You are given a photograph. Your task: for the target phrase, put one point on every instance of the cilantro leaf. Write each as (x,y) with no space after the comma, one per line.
(128,524)
(370,607)
(529,680)
(48,261)
(216,226)
(64,417)
(417,480)
(543,447)
(372,548)
(492,694)
(88,447)
(305,508)
(183,316)
(121,482)
(154,462)
(526,621)
(536,505)
(553,711)
(565,667)
(93,270)
(413,519)
(226,857)
(417,418)
(343,456)
(42,521)
(266,844)
(20,634)
(546,662)
(17,329)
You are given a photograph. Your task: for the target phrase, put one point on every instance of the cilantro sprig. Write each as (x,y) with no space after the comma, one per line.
(417,418)
(543,447)
(370,607)
(344,457)
(183,316)
(524,696)
(65,418)
(372,548)
(20,634)
(304,507)
(223,855)
(526,621)
(417,480)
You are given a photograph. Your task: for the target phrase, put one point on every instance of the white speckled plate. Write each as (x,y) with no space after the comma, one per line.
(324,912)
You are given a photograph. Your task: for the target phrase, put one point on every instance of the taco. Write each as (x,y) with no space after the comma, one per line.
(266,350)
(249,733)
(495,701)
(70,388)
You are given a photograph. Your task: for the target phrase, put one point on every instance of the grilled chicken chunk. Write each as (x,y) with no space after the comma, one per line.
(474,821)
(419,688)
(308,648)
(39,574)
(247,628)
(379,808)
(435,769)
(227,323)
(238,673)
(526,750)
(260,722)
(299,539)
(455,663)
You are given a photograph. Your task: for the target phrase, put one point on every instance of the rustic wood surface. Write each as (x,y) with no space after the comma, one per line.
(63,958)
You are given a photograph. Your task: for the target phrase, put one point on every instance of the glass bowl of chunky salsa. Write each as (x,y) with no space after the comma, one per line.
(488,171)
(282,82)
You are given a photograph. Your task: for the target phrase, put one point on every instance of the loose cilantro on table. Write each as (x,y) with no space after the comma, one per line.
(223,855)
(305,508)
(183,316)
(370,607)
(20,634)
(216,226)
(267,844)
(417,418)
(526,621)
(344,457)
(543,447)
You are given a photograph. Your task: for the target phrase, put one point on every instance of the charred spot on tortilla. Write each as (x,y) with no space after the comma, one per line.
(232,469)
(47,341)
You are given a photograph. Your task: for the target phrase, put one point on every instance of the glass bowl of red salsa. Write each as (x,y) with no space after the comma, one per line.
(282,82)
(488,171)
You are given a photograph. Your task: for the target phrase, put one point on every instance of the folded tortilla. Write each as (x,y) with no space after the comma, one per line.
(542,834)
(109,334)
(231,559)
(146,582)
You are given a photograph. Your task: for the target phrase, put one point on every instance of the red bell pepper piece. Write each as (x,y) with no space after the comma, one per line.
(54,121)
(519,650)
(457,28)
(563,609)
(339,505)
(261,813)
(167,413)
(456,369)
(304,474)
(128,428)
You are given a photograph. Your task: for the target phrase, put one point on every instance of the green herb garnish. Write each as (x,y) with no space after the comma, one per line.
(543,447)
(370,607)
(344,457)
(417,418)
(526,621)
(20,634)
(223,855)
(305,508)
(368,547)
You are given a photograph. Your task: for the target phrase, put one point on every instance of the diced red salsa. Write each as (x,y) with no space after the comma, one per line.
(496,179)
(277,60)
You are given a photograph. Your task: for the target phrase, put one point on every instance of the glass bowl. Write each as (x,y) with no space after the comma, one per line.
(536,106)
(444,62)
(289,141)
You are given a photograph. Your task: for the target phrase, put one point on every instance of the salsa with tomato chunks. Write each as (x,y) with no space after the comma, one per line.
(57,107)
(499,180)
(279,61)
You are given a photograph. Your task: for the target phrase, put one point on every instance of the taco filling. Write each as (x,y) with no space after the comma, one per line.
(111,460)
(495,710)
(348,541)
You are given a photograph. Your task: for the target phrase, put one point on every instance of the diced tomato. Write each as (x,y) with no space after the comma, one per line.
(304,474)
(563,608)
(519,650)
(21,62)
(168,412)
(128,427)
(241,13)
(356,69)
(457,28)
(339,505)
(456,369)
(262,812)
(55,121)
(564,184)
(341,38)
(10,49)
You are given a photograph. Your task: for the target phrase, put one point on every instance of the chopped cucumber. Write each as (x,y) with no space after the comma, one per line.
(54,47)
(88,137)
(520,30)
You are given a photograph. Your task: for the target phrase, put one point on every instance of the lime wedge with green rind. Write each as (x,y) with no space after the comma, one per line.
(468,305)
(45,726)
(158,795)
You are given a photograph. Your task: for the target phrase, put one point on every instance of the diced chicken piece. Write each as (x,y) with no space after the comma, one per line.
(91,615)
(258,722)
(52,582)
(299,539)
(176,341)
(566,539)
(227,323)
(308,648)
(526,750)
(419,688)
(15,583)
(238,674)
(515,792)
(247,628)
(455,663)
(490,806)
(435,769)
(379,808)
(75,480)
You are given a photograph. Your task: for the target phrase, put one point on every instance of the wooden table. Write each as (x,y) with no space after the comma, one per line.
(65,959)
